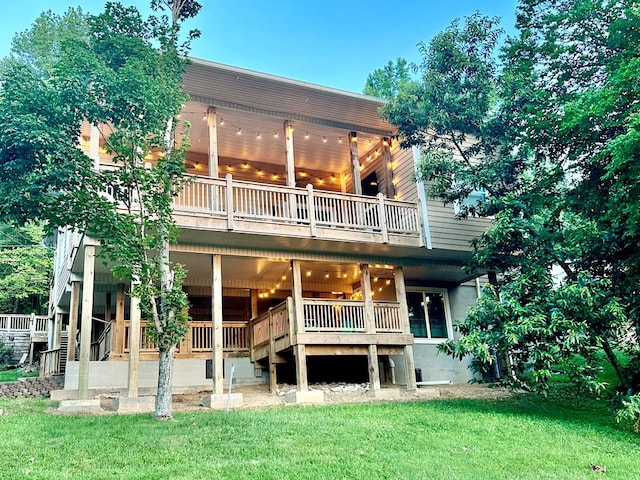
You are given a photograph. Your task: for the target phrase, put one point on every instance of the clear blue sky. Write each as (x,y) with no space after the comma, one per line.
(328,42)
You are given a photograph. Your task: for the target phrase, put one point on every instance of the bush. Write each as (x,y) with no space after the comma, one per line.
(6,353)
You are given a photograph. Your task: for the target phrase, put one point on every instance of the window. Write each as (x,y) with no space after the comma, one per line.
(472,200)
(429,314)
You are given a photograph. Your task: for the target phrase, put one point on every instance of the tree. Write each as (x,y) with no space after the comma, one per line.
(123,74)
(25,269)
(552,137)
(386,82)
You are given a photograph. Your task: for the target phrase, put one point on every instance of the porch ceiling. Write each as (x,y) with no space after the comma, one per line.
(258,104)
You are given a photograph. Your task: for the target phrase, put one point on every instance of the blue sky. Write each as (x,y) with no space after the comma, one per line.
(328,42)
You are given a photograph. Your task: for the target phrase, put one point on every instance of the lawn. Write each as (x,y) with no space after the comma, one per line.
(520,438)
(15,374)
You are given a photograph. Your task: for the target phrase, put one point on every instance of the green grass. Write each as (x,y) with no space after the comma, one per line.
(524,437)
(15,374)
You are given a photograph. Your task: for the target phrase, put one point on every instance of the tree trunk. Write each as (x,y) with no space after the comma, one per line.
(165,382)
(613,360)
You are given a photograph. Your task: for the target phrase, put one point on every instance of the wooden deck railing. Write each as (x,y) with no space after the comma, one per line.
(235,200)
(234,338)
(101,348)
(50,362)
(325,315)
(36,325)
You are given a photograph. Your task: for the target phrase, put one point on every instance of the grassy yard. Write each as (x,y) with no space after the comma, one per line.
(15,374)
(521,438)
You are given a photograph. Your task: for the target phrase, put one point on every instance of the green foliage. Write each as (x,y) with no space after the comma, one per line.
(386,82)
(6,353)
(121,73)
(26,265)
(552,134)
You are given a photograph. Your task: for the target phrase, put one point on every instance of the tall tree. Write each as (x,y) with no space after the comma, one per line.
(386,82)
(553,138)
(123,74)
(26,265)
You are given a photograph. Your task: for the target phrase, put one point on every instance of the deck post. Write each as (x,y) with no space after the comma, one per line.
(73,321)
(311,210)
(86,319)
(212,122)
(289,155)
(374,371)
(355,163)
(134,344)
(229,200)
(299,350)
(117,343)
(367,297)
(388,188)
(382,214)
(273,380)
(58,331)
(216,324)
(401,296)
(300,353)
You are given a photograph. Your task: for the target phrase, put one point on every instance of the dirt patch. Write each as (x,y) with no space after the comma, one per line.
(258,396)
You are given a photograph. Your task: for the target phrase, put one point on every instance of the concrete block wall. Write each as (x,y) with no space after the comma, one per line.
(31,387)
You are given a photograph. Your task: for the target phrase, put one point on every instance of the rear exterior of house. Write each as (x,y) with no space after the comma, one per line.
(312,255)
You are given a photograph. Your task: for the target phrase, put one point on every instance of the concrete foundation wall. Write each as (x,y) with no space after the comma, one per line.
(188,374)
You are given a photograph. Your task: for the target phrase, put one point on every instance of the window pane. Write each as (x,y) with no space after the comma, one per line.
(437,317)
(417,323)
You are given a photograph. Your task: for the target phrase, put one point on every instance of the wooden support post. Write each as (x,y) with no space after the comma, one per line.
(374,371)
(411,367)
(273,380)
(311,211)
(299,350)
(107,307)
(289,155)
(58,332)
(86,320)
(254,314)
(382,215)
(117,344)
(388,189)
(355,163)
(134,345)
(216,324)
(401,297)
(73,321)
(367,297)
(229,201)
(212,123)
(296,286)
(301,367)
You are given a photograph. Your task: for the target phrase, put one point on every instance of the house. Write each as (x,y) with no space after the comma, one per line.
(312,254)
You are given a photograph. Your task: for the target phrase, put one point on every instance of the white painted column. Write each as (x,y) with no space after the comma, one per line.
(212,124)
(216,325)
(85,327)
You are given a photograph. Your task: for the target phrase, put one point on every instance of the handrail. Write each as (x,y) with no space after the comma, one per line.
(50,363)
(241,200)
